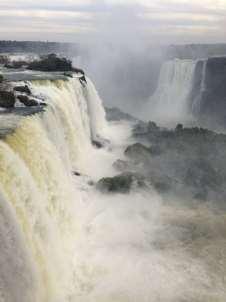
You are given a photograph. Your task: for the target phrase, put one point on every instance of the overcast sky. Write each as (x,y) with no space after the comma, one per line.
(157,21)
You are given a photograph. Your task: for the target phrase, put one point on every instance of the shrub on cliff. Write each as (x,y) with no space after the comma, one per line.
(51,63)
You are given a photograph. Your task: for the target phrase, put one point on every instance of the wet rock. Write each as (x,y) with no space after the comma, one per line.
(76,173)
(1,78)
(78,70)
(7,99)
(121,183)
(4,60)
(68,74)
(27,101)
(97,144)
(82,80)
(24,89)
(43,104)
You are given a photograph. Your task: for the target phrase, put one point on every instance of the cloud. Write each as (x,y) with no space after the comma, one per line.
(159,21)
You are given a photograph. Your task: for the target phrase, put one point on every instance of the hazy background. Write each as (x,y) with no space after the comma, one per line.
(121,41)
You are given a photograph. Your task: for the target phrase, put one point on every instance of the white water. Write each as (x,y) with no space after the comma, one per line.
(197,103)
(61,240)
(170,102)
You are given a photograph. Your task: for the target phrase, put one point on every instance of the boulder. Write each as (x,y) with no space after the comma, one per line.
(75,173)
(78,70)
(97,144)
(23,89)
(68,74)
(138,151)
(4,60)
(121,183)
(27,101)
(7,99)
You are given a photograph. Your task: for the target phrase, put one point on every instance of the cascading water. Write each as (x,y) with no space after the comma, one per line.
(170,102)
(39,198)
(63,241)
(199,87)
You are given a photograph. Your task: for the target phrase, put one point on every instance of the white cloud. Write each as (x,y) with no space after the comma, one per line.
(157,20)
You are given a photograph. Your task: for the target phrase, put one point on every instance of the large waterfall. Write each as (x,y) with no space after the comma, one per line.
(38,225)
(170,101)
(62,240)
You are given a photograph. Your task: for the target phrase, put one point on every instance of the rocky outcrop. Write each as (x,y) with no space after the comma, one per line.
(208,95)
(121,183)
(27,101)
(185,162)
(23,89)
(4,60)
(7,99)
(214,96)
(51,63)
(9,95)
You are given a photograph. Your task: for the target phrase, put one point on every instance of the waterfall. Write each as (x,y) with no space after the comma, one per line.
(38,198)
(170,101)
(199,87)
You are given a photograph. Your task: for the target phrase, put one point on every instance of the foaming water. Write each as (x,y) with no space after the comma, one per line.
(75,244)
(170,102)
(137,248)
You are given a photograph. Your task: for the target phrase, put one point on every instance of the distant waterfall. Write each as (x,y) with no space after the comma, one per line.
(199,86)
(170,101)
(38,199)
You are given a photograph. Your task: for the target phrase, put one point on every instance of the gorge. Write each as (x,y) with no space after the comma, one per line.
(155,229)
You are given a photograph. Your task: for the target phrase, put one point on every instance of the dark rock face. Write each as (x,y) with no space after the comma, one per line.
(4,60)
(97,144)
(27,101)
(214,98)
(24,89)
(9,95)
(78,70)
(7,99)
(75,173)
(121,183)
(209,101)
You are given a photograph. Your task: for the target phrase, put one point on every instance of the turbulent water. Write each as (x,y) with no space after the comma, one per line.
(61,240)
